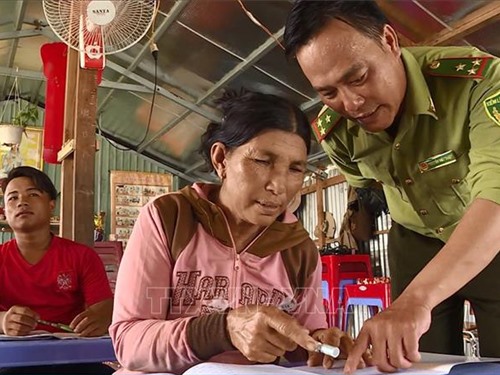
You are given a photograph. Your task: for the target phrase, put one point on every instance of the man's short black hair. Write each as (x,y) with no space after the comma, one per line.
(40,180)
(309,17)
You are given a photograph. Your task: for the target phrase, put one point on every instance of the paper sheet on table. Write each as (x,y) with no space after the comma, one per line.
(44,335)
(431,364)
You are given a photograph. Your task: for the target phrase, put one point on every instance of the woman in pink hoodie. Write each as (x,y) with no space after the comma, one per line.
(224,272)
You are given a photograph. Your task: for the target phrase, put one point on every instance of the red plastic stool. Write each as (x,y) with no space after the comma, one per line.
(339,270)
(366,294)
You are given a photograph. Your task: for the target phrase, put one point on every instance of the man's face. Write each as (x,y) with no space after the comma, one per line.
(27,208)
(357,77)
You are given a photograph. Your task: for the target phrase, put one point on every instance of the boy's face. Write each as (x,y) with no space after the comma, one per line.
(27,208)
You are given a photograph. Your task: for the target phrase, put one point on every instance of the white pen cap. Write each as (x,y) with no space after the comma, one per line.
(329,350)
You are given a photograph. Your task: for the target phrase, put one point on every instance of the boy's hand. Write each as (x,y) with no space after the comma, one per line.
(94,321)
(18,321)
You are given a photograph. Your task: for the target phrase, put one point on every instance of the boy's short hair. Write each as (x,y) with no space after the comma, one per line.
(39,178)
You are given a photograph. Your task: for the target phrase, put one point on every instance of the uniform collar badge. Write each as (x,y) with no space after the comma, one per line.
(324,123)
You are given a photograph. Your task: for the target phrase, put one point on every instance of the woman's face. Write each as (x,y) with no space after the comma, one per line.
(260,177)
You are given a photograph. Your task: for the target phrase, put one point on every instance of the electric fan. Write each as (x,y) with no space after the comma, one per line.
(99,27)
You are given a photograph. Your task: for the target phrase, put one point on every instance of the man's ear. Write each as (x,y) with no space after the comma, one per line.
(390,40)
(52,205)
(218,155)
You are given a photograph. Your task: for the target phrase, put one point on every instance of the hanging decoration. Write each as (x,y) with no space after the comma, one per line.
(54,57)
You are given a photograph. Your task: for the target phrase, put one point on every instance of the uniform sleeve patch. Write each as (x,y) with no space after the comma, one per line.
(492,107)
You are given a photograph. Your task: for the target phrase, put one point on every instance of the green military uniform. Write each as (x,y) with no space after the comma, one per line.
(446,153)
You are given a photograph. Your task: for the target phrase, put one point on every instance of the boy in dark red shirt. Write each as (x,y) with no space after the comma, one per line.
(56,279)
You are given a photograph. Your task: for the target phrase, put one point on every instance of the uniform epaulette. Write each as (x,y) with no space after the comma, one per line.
(465,67)
(325,122)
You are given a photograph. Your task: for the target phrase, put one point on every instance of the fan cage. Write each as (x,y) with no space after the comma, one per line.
(131,22)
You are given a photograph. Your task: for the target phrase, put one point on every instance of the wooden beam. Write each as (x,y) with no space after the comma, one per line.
(467,25)
(84,157)
(67,190)
(67,149)
(77,177)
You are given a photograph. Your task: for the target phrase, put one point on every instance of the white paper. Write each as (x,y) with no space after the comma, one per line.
(435,364)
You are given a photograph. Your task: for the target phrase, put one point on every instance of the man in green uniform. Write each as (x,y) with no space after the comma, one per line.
(425,122)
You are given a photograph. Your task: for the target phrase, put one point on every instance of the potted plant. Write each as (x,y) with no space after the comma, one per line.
(11,133)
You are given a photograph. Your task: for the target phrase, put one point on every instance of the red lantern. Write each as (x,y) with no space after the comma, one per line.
(54,57)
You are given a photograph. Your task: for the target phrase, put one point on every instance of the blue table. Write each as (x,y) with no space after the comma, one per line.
(55,351)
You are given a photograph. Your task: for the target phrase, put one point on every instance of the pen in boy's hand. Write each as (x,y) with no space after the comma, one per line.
(329,350)
(64,327)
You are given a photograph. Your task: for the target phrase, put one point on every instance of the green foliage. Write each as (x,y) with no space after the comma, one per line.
(26,116)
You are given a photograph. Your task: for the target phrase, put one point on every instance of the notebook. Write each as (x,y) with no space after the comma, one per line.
(44,335)
(431,364)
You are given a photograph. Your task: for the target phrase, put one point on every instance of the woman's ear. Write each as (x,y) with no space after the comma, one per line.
(218,154)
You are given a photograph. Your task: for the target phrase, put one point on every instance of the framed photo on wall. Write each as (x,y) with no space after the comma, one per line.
(129,192)
(29,152)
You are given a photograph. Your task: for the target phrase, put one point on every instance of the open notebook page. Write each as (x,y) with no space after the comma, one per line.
(42,335)
(431,364)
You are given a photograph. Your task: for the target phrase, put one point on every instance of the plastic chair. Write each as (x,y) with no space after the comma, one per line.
(111,253)
(370,294)
(338,271)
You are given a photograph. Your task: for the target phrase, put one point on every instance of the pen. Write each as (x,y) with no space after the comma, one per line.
(64,327)
(332,351)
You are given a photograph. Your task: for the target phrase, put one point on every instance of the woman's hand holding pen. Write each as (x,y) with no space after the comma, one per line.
(336,338)
(263,333)
(18,321)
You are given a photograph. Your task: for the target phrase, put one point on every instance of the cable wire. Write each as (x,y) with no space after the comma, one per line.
(258,23)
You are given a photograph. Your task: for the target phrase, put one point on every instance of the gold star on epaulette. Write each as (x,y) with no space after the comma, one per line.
(466,67)
(321,128)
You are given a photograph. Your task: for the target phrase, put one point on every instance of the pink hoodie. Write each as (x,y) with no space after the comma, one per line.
(180,274)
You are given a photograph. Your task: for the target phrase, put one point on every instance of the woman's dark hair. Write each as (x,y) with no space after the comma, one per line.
(40,180)
(245,114)
(308,17)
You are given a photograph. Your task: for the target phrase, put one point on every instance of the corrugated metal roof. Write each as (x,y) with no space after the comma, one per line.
(204,47)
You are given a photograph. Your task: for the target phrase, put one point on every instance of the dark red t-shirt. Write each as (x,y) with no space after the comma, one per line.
(69,277)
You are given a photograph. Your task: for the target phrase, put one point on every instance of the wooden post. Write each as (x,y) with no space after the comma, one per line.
(77,203)
(84,157)
(67,190)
